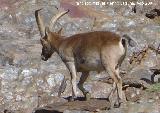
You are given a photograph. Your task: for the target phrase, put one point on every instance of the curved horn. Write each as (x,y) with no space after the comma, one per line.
(40,22)
(55,18)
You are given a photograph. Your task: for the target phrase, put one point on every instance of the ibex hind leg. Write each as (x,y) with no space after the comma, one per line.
(110,67)
(119,88)
(83,78)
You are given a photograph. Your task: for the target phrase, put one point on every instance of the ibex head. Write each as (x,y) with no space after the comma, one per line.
(47,36)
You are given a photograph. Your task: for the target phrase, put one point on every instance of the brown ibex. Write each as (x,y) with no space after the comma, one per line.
(85,52)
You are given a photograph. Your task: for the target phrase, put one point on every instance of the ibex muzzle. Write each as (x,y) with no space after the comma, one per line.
(85,52)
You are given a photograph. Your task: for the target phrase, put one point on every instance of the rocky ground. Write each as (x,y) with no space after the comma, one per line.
(28,84)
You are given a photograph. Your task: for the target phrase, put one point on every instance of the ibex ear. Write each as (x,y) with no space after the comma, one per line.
(47,31)
(60,31)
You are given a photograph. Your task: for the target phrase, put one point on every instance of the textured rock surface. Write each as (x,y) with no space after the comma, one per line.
(26,82)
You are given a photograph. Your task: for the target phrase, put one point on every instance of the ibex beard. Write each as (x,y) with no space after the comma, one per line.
(85,52)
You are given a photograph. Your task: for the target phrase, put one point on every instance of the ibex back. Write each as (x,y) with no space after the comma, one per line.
(85,52)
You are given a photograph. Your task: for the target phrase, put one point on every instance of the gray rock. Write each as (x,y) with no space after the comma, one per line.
(26,82)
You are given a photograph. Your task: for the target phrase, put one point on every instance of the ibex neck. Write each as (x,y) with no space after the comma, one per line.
(56,41)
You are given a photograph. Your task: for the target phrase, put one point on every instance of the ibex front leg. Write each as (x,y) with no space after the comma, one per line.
(83,78)
(73,73)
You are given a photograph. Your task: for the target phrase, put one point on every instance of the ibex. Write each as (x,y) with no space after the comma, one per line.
(85,52)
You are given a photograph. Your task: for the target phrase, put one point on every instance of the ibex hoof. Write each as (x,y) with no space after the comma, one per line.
(87,96)
(117,104)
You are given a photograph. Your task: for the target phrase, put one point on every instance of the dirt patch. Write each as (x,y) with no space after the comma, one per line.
(92,105)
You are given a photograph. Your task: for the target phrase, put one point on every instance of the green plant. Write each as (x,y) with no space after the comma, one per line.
(154,88)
